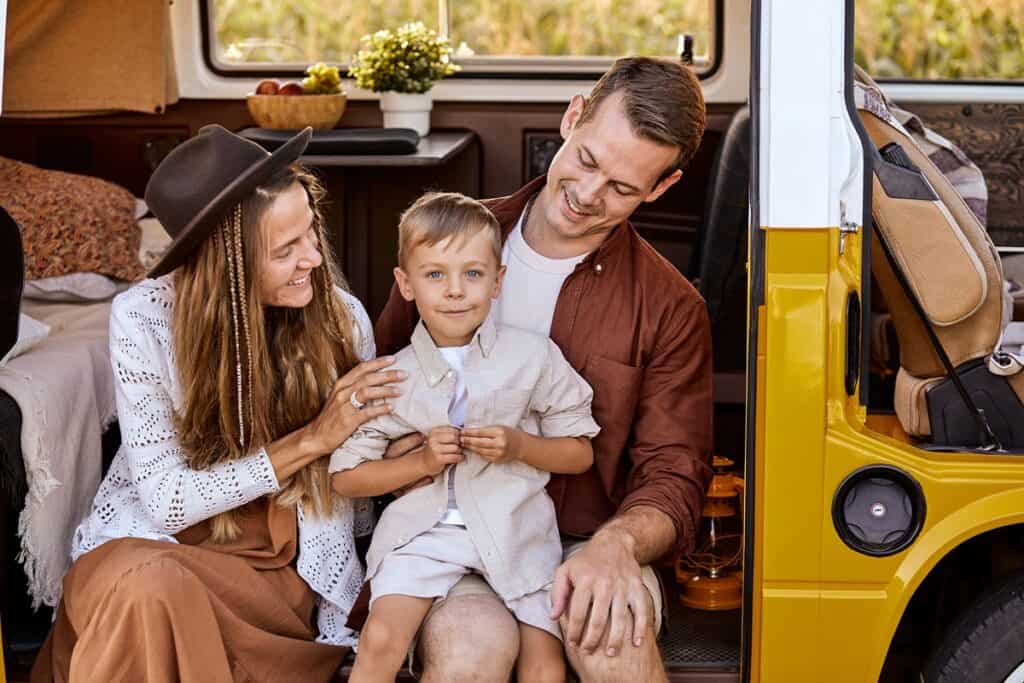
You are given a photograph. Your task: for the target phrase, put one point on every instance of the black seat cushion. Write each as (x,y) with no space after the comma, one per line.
(13,485)
(348,141)
(721,270)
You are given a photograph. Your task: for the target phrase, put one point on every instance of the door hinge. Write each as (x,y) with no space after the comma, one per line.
(846,228)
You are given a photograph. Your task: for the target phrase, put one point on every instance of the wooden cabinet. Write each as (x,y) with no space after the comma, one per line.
(367,194)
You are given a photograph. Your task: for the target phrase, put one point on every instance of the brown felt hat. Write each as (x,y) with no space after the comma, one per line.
(204,177)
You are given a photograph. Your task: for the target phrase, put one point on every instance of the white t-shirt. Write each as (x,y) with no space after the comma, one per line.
(456,356)
(532,283)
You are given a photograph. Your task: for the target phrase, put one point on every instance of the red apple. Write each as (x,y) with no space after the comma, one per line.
(267,88)
(291,88)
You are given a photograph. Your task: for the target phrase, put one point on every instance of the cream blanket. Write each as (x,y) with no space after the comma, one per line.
(65,390)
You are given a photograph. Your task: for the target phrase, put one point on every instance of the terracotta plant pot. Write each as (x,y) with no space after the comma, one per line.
(292,112)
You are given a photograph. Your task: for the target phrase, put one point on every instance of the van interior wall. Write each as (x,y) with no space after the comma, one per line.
(991,135)
(515,139)
(120,147)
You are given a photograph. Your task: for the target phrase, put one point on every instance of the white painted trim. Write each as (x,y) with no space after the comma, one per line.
(810,157)
(196,81)
(960,93)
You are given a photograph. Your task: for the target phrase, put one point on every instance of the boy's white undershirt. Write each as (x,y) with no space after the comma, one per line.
(455,355)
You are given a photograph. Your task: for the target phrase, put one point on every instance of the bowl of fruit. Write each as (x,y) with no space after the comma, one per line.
(317,101)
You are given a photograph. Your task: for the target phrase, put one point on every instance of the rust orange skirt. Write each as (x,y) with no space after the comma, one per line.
(137,610)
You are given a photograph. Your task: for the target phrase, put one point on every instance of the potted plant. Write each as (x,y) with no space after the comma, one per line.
(402,65)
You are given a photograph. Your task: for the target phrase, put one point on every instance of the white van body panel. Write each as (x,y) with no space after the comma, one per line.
(804,126)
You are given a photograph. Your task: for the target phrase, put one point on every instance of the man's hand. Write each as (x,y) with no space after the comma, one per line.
(604,580)
(494,444)
(442,449)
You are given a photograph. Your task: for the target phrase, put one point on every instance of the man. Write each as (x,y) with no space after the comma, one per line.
(638,333)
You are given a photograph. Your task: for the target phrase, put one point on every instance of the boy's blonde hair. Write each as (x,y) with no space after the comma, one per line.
(438,216)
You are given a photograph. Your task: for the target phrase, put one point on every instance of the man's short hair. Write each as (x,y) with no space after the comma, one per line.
(662,100)
(438,216)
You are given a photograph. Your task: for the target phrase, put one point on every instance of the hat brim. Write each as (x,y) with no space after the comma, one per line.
(202,225)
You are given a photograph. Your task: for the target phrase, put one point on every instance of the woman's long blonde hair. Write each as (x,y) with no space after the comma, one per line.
(263,367)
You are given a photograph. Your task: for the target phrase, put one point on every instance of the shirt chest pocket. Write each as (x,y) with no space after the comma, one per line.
(509,407)
(616,394)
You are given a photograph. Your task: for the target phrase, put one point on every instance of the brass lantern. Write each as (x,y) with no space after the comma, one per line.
(710,576)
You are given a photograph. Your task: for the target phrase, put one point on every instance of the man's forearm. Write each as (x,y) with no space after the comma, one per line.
(648,533)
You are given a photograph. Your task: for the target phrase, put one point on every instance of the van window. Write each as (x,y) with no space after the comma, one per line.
(507,36)
(940,39)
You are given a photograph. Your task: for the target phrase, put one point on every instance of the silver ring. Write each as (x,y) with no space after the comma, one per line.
(356,403)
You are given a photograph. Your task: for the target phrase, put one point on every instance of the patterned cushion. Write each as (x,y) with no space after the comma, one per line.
(71,223)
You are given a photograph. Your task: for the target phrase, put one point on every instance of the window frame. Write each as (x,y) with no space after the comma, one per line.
(1019,83)
(551,68)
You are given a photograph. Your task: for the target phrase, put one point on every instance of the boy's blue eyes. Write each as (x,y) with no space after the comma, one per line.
(437,274)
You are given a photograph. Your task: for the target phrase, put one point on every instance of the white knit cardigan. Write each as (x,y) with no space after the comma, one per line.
(150,492)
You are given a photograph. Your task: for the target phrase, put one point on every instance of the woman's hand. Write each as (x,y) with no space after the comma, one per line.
(339,417)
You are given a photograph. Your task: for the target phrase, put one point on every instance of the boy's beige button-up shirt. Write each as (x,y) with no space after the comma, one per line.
(515,379)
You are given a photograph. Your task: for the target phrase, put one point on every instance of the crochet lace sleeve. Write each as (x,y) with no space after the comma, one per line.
(363,333)
(366,349)
(174,495)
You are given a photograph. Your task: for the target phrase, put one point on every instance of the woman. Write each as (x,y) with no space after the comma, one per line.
(215,537)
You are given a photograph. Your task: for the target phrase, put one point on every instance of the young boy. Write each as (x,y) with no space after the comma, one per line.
(501,409)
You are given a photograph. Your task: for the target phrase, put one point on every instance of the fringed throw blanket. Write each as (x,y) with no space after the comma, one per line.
(65,390)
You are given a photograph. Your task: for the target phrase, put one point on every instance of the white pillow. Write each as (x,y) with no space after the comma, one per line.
(74,287)
(154,243)
(78,287)
(30,333)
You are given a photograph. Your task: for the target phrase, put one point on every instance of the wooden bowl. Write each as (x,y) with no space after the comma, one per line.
(292,112)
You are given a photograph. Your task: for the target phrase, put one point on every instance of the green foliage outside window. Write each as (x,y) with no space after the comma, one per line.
(582,28)
(306,31)
(921,39)
(940,39)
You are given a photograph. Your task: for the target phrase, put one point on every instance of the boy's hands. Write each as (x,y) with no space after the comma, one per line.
(441,449)
(443,446)
(494,444)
